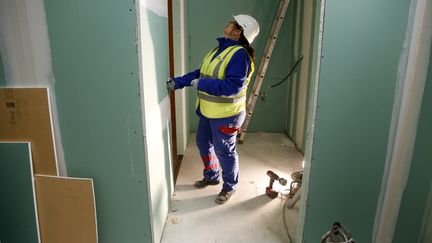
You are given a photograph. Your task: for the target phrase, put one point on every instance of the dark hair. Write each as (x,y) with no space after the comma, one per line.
(245,43)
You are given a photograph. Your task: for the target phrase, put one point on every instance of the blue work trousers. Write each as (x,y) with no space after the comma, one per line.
(216,140)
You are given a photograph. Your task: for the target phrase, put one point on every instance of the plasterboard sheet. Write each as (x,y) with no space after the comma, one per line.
(18,216)
(25,116)
(66,208)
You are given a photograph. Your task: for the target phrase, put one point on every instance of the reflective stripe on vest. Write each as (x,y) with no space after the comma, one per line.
(220,99)
(221,106)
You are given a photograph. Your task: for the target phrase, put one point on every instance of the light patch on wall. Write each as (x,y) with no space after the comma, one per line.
(159,115)
(156,111)
(25,50)
(159,7)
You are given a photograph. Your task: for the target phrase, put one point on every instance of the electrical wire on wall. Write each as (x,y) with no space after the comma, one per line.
(289,74)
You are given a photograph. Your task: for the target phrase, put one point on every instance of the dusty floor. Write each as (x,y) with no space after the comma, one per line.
(250,216)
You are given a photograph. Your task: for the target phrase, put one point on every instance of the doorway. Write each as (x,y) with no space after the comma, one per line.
(280,119)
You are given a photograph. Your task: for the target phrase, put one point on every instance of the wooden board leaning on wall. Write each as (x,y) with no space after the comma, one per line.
(25,116)
(67,211)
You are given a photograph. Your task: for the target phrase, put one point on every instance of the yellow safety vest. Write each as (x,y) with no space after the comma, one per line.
(221,106)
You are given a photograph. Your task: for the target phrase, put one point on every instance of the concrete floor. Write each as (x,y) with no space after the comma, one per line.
(249,216)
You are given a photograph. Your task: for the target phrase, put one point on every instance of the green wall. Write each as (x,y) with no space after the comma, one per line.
(413,206)
(95,64)
(362,43)
(269,115)
(2,74)
(155,69)
(17,206)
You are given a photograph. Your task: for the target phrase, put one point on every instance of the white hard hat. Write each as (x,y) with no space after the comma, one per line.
(249,24)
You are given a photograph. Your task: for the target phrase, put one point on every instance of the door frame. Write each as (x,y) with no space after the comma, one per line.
(318,28)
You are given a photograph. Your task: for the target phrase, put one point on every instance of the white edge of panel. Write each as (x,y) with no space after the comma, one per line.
(34,192)
(52,131)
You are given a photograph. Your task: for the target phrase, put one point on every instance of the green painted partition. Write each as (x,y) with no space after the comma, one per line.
(414,201)
(2,74)
(155,69)
(95,64)
(18,221)
(362,44)
(270,112)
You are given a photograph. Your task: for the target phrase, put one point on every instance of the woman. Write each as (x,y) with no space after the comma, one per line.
(221,82)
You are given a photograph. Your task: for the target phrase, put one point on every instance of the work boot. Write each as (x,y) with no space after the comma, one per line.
(224,196)
(204,183)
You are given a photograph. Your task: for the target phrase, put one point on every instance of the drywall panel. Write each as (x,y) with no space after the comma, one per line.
(17,205)
(412,75)
(95,64)
(66,209)
(27,117)
(2,74)
(273,102)
(153,45)
(414,202)
(311,110)
(361,47)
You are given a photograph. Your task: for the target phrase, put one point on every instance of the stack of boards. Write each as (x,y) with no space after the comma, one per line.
(36,204)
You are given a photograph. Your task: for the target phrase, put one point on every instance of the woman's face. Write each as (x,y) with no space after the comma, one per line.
(231,31)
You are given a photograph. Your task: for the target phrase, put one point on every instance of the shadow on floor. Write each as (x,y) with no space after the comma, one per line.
(182,188)
(195,204)
(252,203)
(199,203)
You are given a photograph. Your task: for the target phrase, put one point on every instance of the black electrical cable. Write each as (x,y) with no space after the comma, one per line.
(289,74)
